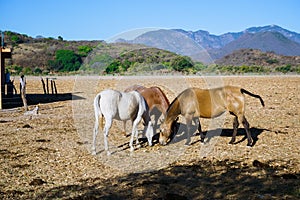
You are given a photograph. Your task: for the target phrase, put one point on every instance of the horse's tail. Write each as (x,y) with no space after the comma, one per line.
(243,91)
(98,111)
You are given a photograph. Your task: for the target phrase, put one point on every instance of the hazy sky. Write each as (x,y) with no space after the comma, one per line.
(103,19)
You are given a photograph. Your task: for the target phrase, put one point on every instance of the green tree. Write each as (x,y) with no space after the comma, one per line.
(113,67)
(37,70)
(182,63)
(65,60)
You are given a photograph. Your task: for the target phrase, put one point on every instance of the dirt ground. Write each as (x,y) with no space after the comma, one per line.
(47,156)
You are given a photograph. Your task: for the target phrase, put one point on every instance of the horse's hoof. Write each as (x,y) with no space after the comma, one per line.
(138,146)
(232,142)
(94,153)
(108,153)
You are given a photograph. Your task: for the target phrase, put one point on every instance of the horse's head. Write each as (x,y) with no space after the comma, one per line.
(167,131)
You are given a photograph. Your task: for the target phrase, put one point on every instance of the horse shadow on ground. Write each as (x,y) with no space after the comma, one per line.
(182,135)
(154,114)
(34,99)
(220,132)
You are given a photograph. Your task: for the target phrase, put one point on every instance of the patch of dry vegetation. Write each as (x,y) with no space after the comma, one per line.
(44,156)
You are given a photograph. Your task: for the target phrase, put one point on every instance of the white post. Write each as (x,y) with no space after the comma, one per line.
(23,91)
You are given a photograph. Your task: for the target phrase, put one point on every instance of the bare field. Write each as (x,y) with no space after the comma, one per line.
(47,156)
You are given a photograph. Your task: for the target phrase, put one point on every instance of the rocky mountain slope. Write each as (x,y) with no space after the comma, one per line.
(206,47)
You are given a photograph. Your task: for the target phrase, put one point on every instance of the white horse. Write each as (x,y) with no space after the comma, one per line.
(123,106)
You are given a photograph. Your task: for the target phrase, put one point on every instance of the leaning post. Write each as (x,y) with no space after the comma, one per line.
(23,92)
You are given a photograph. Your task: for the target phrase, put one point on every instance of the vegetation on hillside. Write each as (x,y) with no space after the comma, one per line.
(246,69)
(49,55)
(149,59)
(45,55)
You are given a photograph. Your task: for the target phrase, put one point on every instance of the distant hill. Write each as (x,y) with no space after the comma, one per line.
(157,51)
(274,28)
(206,47)
(210,41)
(254,57)
(265,41)
(29,52)
(174,41)
(37,55)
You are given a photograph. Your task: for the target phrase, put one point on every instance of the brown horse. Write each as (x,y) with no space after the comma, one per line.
(206,103)
(154,97)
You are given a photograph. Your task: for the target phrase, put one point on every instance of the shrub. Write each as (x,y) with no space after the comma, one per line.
(84,50)
(14,69)
(284,69)
(113,67)
(65,60)
(272,61)
(27,71)
(37,70)
(182,63)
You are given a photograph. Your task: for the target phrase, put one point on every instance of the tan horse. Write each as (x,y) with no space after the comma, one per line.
(154,97)
(207,103)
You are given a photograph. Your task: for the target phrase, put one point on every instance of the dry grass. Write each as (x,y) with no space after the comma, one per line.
(47,156)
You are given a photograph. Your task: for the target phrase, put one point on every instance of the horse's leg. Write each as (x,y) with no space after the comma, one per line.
(235,128)
(108,123)
(188,126)
(246,126)
(149,133)
(134,132)
(124,128)
(149,130)
(137,138)
(202,136)
(156,118)
(96,130)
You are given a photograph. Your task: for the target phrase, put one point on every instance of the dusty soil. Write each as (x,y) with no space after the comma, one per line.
(47,156)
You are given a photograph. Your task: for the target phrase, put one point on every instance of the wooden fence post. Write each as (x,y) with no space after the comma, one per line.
(47,82)
(55,90)
(44,87)
(51,81)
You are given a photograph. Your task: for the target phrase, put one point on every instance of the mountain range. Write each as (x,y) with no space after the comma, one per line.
(205,47)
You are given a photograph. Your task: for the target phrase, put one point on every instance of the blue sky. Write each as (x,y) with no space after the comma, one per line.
(103,19)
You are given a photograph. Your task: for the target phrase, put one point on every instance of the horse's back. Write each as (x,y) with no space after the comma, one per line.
(109,100)
(130,105)
(205,103)
(134,87)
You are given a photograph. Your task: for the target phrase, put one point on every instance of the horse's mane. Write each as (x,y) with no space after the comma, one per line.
(172,104)
(176,100)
